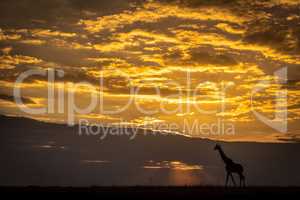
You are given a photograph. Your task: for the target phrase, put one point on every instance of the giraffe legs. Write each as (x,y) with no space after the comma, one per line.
(227,179)
(242,180)
(244,184)
(227,176)
(233,181)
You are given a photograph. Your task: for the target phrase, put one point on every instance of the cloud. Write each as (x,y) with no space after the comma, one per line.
(10,62)
(230,29)
(152,43)
(153,12)
(33,41)
(4,36)
(50,33)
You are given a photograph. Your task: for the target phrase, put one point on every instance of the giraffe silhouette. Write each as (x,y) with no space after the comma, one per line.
(231,167)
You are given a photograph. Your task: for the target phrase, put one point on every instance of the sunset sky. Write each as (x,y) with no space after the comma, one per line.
(188,50)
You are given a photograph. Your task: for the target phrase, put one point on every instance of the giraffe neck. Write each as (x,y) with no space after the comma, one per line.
(223,156)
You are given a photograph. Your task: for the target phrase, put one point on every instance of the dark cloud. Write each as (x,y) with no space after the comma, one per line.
(25,13)
(194,3)
(274,24)
(12,99)
(62,56)
(289,137)
(203,57)
(277,26)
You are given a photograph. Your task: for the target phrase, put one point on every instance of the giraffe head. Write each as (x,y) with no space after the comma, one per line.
(217,147)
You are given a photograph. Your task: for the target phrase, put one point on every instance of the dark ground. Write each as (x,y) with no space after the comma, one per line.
(25,161)
(156,192)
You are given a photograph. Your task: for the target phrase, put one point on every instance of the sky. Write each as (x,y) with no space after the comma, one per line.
(157,63)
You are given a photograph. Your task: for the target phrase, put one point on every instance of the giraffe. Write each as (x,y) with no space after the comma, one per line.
(231,167)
